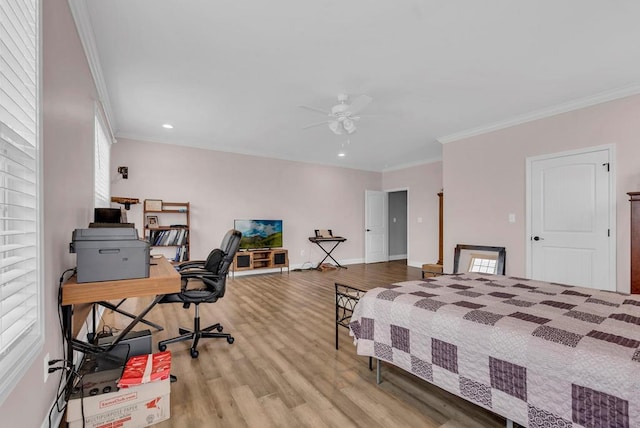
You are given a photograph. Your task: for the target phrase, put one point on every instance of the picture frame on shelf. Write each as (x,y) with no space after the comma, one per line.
(152,222)
(153,204)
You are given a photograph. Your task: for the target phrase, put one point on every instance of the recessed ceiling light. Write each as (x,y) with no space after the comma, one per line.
(341,154)
(167,126)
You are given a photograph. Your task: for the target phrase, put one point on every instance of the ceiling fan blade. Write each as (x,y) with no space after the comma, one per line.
(315,124)
(317,110)
(359,103)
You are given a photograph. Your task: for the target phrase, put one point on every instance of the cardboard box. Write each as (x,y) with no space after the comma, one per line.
(133,407)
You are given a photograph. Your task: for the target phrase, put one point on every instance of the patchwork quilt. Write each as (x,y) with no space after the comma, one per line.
(540,354)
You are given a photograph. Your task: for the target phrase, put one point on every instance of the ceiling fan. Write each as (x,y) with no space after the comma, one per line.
(343,115)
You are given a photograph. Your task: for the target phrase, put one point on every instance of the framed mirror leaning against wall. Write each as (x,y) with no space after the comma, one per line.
(479,259)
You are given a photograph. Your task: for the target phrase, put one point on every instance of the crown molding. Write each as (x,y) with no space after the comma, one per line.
(600,98)
(196,144)
(80,14)
(412,164)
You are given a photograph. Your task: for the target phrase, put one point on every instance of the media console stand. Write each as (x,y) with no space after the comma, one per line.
(260,259)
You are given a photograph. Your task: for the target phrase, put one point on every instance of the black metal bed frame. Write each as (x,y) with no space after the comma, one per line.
(347,298)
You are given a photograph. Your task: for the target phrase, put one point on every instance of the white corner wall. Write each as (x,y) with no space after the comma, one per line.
(423,183)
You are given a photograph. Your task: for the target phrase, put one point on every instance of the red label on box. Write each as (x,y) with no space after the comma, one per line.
(146,368)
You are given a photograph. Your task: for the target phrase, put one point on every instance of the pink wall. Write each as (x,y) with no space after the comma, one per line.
(423,182)
(67,110)
(223,186)
(484,177)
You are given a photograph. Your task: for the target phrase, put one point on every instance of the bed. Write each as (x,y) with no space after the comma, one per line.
(539,354)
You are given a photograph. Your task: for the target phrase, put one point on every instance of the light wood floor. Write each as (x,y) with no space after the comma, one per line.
(284,370)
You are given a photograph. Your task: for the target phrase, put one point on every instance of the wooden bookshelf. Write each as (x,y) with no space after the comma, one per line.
(170,229)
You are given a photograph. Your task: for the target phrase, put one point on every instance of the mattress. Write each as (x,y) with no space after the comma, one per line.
(540,354)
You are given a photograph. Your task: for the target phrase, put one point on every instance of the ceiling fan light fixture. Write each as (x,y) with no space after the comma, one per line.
(349,126)
(336,127)
(339,127)
(342,116)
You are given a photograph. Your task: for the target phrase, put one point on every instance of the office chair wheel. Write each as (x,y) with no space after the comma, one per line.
(219,328)
(194,353)
(162,348)
(230,340)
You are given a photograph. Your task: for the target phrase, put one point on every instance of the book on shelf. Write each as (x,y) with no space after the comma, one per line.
(181,254)
(171,239)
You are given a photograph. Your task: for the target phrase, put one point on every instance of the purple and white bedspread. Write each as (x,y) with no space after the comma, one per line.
(540,354)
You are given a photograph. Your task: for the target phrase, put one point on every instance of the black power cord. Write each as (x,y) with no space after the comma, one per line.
(68,360)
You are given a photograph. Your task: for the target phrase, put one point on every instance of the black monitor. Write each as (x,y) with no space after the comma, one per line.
(106,215)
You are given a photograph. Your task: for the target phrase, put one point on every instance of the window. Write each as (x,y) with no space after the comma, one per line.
(21,317)
(102,162)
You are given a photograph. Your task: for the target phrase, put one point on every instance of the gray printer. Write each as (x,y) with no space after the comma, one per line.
(106,254)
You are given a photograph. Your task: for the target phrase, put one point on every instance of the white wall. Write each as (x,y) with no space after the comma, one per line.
(484,178)
(223,186)
(67,146)
(423,182)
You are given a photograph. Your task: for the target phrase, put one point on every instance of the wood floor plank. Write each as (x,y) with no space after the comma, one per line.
(283,368)
(224,405)
(278,412)
(285,392)
(250,407)
(310,418)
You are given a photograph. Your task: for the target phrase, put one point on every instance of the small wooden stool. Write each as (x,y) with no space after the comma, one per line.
(431,269)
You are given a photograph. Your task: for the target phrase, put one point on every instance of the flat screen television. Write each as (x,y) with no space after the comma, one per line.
(259,233)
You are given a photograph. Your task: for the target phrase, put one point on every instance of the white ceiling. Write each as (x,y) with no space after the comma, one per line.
(231,75)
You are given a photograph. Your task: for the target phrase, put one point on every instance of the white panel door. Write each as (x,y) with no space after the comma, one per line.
(376,238)
(570,220)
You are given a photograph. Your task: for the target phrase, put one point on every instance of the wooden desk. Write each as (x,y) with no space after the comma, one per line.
(163,279)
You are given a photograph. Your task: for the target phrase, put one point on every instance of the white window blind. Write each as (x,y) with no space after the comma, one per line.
(21,327)
(102,163)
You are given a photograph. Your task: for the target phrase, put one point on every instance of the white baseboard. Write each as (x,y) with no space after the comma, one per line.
(351,261)
(414,263)
(398,257)
(303,266)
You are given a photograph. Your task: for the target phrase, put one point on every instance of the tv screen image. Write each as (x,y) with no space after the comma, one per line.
(259,233)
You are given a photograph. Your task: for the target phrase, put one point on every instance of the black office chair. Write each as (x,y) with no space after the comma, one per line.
(211,275)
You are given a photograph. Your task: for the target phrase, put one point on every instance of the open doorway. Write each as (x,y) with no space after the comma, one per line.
(397,219)
(382,233)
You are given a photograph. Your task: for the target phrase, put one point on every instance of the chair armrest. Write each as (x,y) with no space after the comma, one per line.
(196,273)
(190,264)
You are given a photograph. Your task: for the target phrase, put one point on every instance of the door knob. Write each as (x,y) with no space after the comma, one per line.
(368,230)
(537,238)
